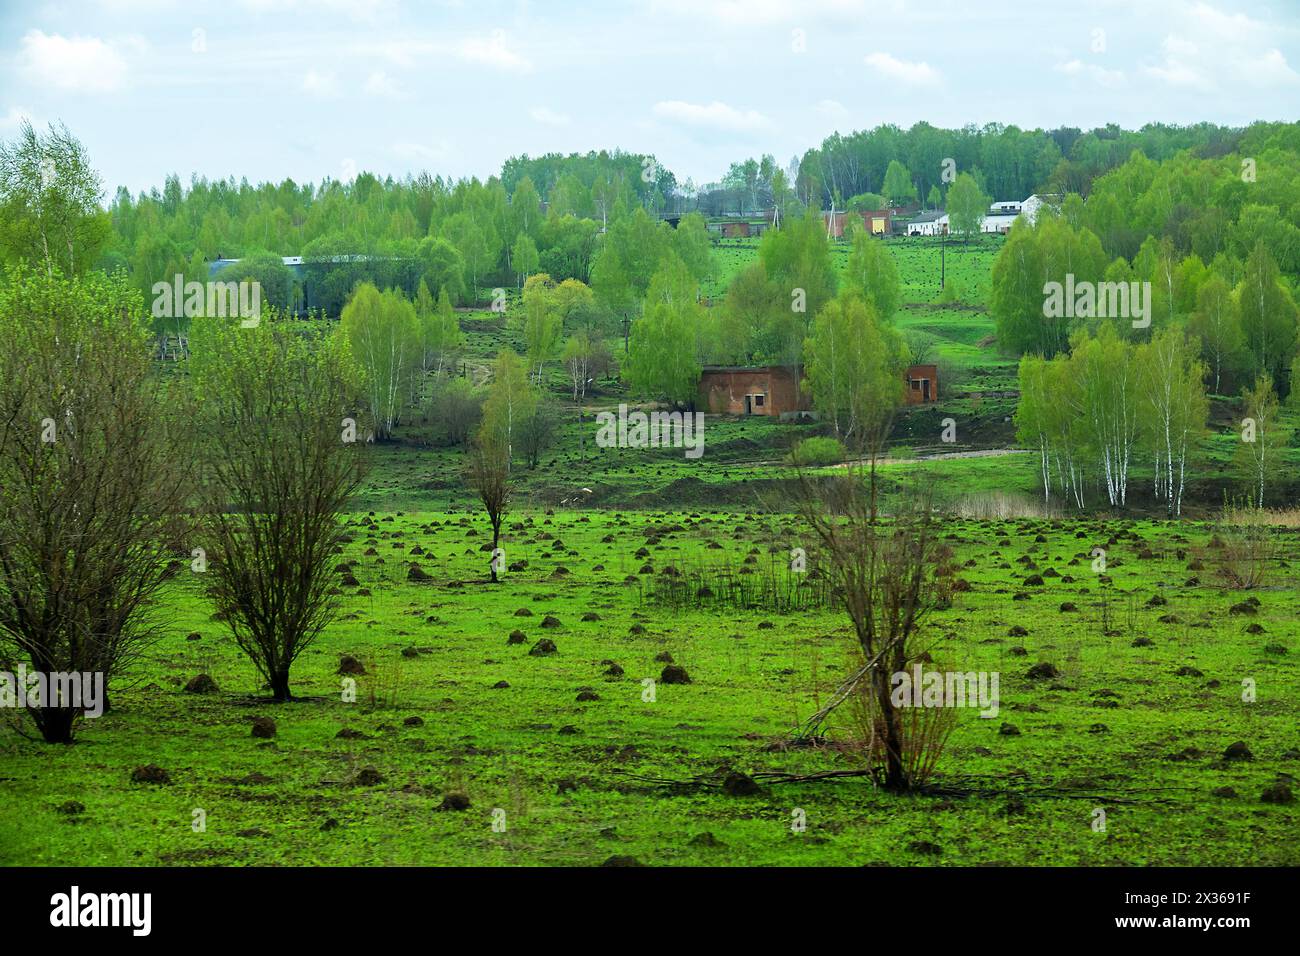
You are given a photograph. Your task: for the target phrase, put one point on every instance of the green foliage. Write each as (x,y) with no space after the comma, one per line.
(510,401)
(442,267)
(664,357)
(872,275)
(543,322)
(385,337)
(630,254)
(1033,256)
(817,451)
(272,275)
(1268,314)
(523,256)
(967,205)
(898,187)
(49,202)
(854,368)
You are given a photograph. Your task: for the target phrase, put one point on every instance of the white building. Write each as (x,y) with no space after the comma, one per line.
(933,223)
(998,222)
(1030,207)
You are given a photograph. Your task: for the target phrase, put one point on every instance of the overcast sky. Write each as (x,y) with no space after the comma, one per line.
(313,88)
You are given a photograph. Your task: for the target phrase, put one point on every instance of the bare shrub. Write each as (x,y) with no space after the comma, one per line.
(280,469)
(1001,505)
(922,734)
(93,480)
(889,575)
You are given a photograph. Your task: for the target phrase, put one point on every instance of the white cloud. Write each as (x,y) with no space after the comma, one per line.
(381,84)
(1213,49)
(902,71)
(422,152)
(360,10)
(715,115)
(757,13)
(14,117)
(832,109)
(1271,69)
(548,117)
(400,52)
(492,52)
(1179,67)
(1098,74)
(78,64)
(319,84)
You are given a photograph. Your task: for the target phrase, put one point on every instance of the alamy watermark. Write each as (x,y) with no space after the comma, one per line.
(213,300)
(653,430)
(1098,300)
(75,690)
(918,688)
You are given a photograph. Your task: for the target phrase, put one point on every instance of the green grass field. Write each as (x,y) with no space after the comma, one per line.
(448,706)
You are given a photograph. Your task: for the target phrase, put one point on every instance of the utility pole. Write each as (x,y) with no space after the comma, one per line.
(943,261)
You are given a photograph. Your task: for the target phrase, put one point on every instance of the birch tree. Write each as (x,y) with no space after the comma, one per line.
(1107,399)
(1175,408)
(1263,437)
(1217,324)
(383,333)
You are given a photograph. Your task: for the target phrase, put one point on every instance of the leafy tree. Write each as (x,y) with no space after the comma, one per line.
(576,304)
(524,257)
(692,244)
(872,275)
(270,273)
(797,260)
(865,202)
(662,361)
(631,253)
(278,430)
(510,400)
(543,323)
(898,187)
(1173,392)
(567,247)
(49,201)
(1264,435)
(385,339)
(1106,403)
(443,267)
(967,206)
(1217,325)
(440,334)
(525,210)
(755,316)
(855,369)
(475,244)
(93,480)
(1268,313)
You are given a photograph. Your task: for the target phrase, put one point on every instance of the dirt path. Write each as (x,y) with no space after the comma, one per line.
(941,456)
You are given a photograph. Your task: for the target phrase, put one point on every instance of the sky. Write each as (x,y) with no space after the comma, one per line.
(308,89)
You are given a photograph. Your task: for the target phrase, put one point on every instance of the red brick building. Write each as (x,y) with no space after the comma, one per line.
(774,389)
(877,222)
(751,390)
(922,384)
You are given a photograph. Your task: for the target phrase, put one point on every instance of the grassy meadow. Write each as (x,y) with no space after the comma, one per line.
(450,707)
